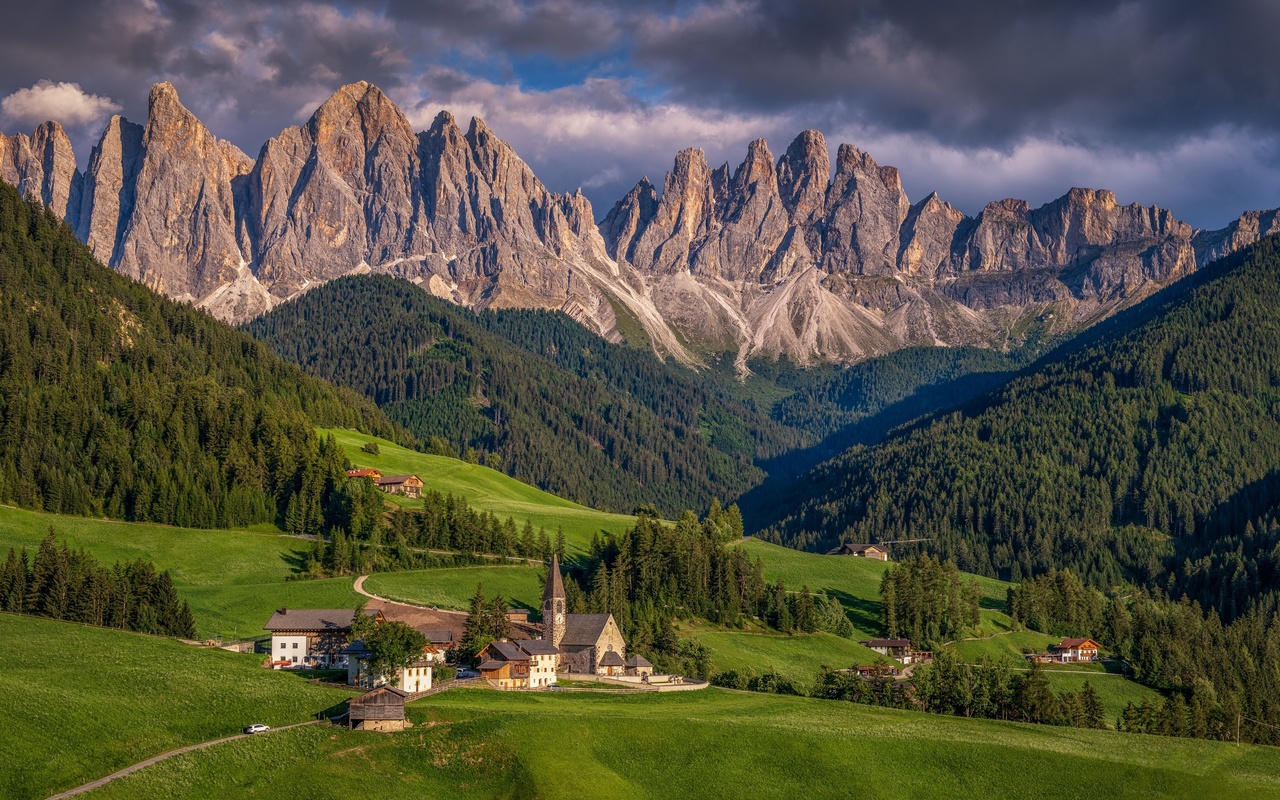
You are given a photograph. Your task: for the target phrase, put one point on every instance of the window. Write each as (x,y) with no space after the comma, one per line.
(295,645)
(295,659)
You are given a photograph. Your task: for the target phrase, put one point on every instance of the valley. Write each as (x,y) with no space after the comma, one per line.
(1061,432)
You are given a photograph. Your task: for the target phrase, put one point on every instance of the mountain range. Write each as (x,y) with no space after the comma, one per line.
(785,257)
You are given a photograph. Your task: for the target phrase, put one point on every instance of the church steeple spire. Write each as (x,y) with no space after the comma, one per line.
(553,604)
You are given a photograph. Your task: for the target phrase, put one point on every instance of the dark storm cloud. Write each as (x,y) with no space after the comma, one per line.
(1175,102)
(987,73)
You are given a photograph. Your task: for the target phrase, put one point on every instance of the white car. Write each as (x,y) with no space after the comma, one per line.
(257,727)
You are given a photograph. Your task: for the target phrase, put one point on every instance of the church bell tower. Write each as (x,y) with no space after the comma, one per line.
(553,604)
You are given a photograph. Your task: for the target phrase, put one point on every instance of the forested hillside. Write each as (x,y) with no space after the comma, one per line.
(115,401)
(532,393)
(1148,451)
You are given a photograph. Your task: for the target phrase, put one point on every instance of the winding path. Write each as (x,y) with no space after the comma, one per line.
(170,754)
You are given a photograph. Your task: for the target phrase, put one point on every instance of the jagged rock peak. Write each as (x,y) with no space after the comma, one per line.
(804,172)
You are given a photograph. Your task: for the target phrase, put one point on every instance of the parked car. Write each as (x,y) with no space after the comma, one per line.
(257,727)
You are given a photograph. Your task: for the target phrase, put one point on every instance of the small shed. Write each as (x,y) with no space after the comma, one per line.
(381,709)
(639,666)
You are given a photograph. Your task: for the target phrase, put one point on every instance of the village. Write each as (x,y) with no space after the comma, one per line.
(575,648)
(563,649)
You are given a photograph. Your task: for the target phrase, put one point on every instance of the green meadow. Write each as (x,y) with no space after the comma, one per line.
(476,743)
(452,588)
(485,489)
(796,657)
(83,702)
(233,579)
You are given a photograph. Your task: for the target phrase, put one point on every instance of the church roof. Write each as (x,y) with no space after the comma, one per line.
(583,629)
(611,659)
(555,585)
(639,661)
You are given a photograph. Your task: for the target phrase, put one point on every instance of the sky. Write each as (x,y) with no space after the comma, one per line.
(1168,102)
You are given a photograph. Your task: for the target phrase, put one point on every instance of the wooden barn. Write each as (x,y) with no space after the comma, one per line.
(379,710)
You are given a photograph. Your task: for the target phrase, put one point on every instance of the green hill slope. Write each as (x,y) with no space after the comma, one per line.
(87,701)
(714,744)
(485,489)
(115,401)
(233,579)
(608,425)
(1148,438)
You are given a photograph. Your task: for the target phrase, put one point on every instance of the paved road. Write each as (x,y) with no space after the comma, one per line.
(154,759)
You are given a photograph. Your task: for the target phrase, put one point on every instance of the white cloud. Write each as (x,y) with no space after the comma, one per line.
(65,103)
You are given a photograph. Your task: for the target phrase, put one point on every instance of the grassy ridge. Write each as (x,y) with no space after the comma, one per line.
(485,489)
(84,702)
(233,579)
(480,744)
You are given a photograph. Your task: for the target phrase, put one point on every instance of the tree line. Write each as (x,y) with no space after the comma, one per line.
(1213,674)
(72,585)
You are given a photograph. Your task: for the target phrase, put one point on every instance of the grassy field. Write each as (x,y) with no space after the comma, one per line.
(485,489)
(452,588)
(856,583)
(84,702)
(233,579)
(796,657)
(713,744)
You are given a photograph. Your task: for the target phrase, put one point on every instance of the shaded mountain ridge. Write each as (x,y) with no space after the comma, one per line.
(788,257)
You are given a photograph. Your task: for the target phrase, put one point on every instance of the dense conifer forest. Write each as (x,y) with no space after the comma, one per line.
(1145,451)
(115,401)
(61,583)
(532,393)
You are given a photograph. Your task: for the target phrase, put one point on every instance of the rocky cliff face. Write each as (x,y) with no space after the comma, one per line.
(796,260)
(772,257)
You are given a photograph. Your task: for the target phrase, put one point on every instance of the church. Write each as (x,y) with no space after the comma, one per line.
(588,643)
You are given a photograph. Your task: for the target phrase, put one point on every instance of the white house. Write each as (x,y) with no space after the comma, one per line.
(310,638)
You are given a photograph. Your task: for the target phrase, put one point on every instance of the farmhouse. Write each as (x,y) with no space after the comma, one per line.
(311,638)
(414,678)
(372,474)
(381,709)
(582,639)
(1071,651)
(860,551)
(407,485)
(893,648)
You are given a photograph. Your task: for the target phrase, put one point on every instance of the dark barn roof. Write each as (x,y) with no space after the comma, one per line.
(538,647)
(312,619)
(507,651)
(886,642)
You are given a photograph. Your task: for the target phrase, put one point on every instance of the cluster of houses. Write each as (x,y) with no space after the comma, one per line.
(899,650)
(575,645)
(579,645)
(407,485)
